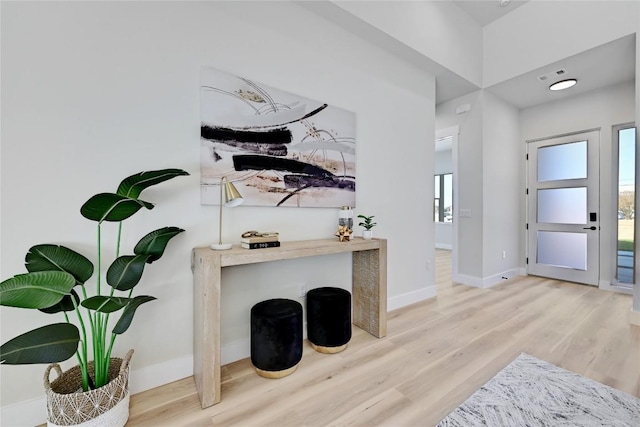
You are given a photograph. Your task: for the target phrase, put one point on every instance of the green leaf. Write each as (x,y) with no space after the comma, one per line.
(127,316)
(126,271)
(48,344)
(60,258)
(111,207)
(105,304)
(154,243)
(41,289)
(133,185)
(65,304)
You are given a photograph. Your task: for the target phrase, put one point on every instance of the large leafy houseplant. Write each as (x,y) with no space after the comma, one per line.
(57,282)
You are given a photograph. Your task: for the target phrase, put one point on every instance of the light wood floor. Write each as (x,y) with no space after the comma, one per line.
(436,354)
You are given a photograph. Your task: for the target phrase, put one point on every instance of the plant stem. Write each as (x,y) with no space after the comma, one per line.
(96,338)
(113,340)
(118,242)
(82,358)
(99,260)
(107,356)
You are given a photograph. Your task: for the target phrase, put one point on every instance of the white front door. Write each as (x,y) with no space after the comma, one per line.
(562,207)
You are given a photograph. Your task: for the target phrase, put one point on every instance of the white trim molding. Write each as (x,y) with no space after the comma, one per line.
(450,131)
(606,285)
(412,297)
(488,282)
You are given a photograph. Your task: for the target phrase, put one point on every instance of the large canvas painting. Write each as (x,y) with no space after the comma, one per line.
(279,149)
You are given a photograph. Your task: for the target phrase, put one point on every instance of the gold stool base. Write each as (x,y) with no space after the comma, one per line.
(276,374)
(327,350)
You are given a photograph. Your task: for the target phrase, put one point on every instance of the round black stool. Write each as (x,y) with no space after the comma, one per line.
(328,319)
(276,337)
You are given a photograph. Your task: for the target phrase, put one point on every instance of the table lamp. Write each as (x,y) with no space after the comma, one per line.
(232,198)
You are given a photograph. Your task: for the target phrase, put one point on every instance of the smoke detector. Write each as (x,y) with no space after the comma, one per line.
(552,75)
(504,3)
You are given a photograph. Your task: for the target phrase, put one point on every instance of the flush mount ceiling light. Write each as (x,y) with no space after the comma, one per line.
(503,3)
(563,84)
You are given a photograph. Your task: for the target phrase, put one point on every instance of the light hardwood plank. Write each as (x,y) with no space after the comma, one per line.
(436,354)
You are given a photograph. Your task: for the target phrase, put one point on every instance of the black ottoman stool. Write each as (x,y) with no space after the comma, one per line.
(276,337)
(328,319)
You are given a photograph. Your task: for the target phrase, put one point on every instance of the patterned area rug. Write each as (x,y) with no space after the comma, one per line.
(532,392)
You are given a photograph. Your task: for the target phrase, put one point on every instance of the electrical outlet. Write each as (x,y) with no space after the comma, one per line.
(302,290)
(504,254)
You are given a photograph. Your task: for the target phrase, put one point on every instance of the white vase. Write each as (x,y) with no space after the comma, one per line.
(367,234)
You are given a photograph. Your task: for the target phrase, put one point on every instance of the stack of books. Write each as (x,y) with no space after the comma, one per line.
(260,242)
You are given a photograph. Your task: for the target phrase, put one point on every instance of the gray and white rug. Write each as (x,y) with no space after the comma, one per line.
(531,392)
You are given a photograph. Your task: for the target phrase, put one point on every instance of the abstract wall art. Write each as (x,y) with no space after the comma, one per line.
(279,149)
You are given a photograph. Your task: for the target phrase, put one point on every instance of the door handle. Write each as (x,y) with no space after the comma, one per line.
(593,227)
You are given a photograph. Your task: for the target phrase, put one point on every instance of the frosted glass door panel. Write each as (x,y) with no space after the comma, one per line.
(565,161)
(560,249)
(562,205)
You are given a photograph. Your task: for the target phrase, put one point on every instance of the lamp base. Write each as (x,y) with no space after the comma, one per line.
(221,246)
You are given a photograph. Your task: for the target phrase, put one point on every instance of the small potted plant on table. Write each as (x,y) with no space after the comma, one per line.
(368,224)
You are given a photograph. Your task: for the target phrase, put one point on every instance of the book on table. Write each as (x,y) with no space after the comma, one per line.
(259,239)
(260,245)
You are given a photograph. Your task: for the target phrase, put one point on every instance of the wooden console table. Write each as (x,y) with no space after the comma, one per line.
(369,293)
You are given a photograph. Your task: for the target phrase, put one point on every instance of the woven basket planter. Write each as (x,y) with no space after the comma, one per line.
(68,405)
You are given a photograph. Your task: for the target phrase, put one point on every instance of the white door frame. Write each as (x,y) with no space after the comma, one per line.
(593,264)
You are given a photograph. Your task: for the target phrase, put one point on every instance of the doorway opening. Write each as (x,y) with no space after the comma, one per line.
(445,211)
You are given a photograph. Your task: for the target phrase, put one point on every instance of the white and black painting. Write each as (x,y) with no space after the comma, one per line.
(279,149)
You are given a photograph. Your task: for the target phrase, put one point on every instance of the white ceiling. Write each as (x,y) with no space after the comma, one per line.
(609,64)
(602,66)
(486,11)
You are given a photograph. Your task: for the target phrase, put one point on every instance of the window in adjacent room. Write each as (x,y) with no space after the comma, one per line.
(443,202)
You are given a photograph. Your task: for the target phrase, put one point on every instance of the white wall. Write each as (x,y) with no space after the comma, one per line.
(542,32)
(602,108)
(93,92)
(438,30)
(488,185)
(469,245)
(502,189)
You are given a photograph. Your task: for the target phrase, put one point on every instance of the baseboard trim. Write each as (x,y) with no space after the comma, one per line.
(634,317)
(444,246)
(487,282)
(27,413)
(463,279)
(490,281)
(34,412)
(412,297)
(160,374)
(606,285)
